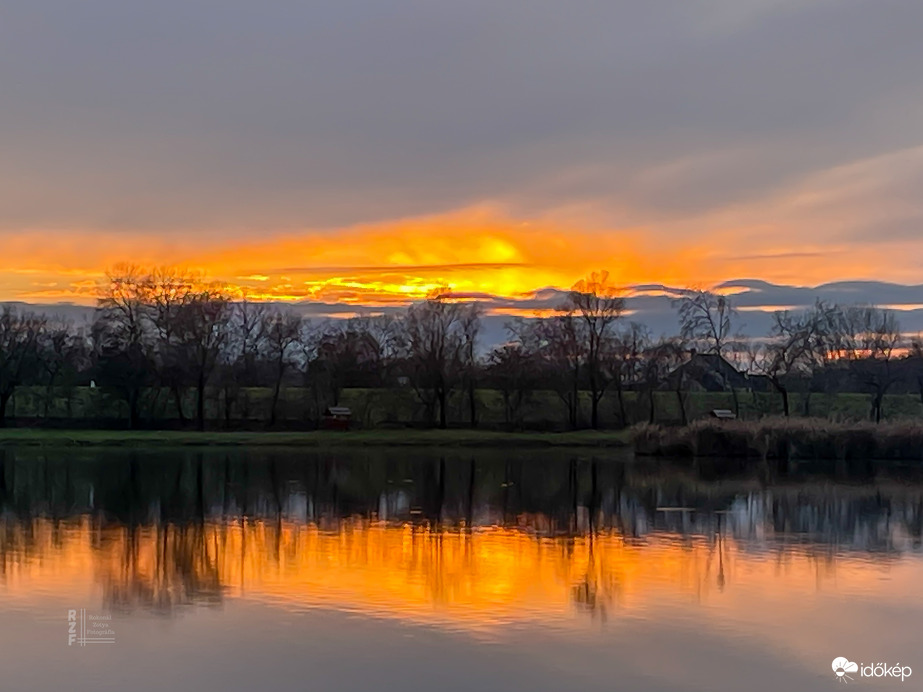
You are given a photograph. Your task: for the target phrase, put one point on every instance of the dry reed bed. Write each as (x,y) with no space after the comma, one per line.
(781,438)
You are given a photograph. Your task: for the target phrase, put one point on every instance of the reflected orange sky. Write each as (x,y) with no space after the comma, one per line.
(473,251)
(475,582)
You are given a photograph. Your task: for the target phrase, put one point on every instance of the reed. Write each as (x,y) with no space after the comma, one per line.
(782,438)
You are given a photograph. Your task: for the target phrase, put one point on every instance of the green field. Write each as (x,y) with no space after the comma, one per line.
(300,408)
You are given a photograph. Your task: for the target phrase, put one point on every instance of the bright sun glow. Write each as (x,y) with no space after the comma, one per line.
(470,252)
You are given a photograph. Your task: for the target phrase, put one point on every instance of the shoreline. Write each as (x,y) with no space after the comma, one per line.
(37,437)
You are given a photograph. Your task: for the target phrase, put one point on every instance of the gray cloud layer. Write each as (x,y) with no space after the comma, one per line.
(229,115)
(653,306)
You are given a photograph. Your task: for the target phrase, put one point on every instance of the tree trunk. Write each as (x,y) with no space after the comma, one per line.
(785,406)
(472,405)
(133,409)
(49,396)
(275,401)
(622,414)
(594,411)
(443,418)
(178,399)
(4,398)
(280,371)
(200,402)
(650,398)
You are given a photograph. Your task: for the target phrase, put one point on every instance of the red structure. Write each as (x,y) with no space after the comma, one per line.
(336,418)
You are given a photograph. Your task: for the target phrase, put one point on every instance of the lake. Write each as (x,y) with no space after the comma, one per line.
(420,570)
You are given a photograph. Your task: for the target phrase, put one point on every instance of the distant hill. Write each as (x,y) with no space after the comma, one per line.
(650,304)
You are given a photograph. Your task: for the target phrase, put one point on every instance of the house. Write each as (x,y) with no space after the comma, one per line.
(707,372)
(711,372)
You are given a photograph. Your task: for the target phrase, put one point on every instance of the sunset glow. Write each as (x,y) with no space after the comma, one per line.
(460,345)
(475,582)
(471,253)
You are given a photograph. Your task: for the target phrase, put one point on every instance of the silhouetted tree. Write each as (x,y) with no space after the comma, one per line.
(246,342)
(625,362)
(705,320)
(20,338)
(787,353)
(560,350)
(870,338)
(283,332)
(705,323)
(63,352)
(434,343)
(597,307)
(202,333)
(470,330)
(122,351)
(165,294)
(512,370)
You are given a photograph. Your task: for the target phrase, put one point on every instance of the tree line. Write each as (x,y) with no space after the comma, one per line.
(173,333)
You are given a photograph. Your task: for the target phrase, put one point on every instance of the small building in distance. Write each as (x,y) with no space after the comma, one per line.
(337,418)
(711,372)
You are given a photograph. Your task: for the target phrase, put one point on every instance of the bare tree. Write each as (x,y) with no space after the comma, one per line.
(283,332)
(166,292)
(705,320)
(869,339)
(916,359)
(625,361)
(385,338)
(705,323)
(660,360)
(470,323)
(823,350)
(121,344)
(598,308)
(202,335)
(512,370)
(314,380)
(433,338)
(61,349)
(247,327)
(787,353)
(560,355)
(20,335)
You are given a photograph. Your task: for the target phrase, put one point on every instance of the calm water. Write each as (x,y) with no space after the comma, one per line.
(391,570)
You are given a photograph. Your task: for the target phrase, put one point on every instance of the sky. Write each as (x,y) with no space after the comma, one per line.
(363,152)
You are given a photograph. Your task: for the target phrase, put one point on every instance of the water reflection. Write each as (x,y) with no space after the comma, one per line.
(465,542)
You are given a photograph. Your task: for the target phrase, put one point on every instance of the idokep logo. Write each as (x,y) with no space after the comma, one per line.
(842,667)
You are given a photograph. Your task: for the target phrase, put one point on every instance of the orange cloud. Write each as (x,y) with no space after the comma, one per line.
(473,251)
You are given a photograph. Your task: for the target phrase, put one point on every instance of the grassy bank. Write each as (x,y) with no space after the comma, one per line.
(362,438)
(83,407)
(781,438)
